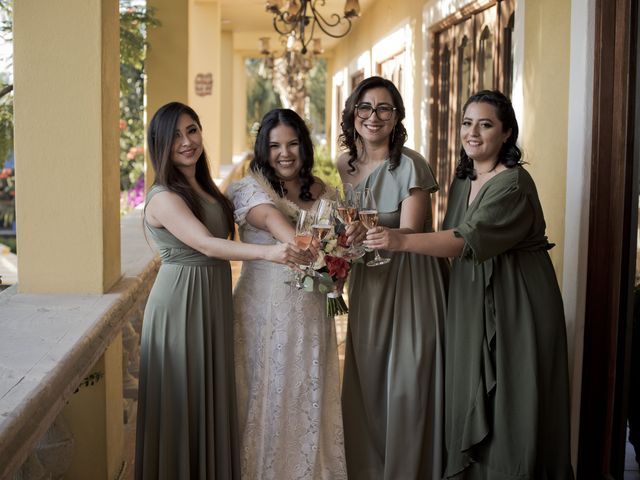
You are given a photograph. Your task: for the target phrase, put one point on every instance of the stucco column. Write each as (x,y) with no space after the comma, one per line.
(227,88)
(94,414)
(66,73)
(205,45)
(167,59)
(239,113)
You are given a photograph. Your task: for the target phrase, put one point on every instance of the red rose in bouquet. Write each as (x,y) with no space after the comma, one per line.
(338,267)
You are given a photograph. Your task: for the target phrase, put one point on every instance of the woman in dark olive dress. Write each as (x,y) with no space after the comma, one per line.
(187,423)
(506,372)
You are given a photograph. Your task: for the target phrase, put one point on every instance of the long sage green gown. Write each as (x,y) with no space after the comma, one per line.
(187,422)
(393,373)
(506,376)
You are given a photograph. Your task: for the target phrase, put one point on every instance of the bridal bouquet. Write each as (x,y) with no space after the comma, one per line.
(331,270)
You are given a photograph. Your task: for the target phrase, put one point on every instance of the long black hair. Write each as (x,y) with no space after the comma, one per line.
(160,137)
(262,152)
(509,154)
(349,135)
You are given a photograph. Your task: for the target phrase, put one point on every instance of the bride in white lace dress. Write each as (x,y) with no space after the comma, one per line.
(285,345)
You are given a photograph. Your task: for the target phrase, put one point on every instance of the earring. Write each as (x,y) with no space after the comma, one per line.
(393,134)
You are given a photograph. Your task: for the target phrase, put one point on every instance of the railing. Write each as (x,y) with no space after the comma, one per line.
(49,345)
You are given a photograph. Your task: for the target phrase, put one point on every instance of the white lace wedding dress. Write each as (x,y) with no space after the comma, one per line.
(286,363)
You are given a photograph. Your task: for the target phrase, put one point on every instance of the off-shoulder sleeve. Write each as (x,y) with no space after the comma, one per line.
(246,194)
(502,219)
(395,185)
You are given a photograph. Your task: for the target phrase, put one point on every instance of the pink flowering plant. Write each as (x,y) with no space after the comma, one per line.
(331,271)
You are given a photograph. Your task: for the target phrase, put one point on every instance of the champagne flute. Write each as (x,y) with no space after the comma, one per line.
(302,239)
(369,217)
(347,212)
(323,222)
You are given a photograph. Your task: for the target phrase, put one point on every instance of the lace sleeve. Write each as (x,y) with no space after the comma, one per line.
(246,194)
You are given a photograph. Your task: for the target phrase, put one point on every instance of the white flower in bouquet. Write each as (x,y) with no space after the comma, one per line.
(331,245)
(319,263)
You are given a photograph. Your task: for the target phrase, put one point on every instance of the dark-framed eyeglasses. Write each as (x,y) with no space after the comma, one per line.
(384,112)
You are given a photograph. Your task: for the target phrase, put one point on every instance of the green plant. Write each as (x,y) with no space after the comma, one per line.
(9,242)
(324,168)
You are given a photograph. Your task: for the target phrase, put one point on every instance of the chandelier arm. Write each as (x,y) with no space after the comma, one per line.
(325,24)
(287,27)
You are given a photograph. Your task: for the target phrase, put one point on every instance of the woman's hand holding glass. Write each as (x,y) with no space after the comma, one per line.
(304,241)
(347,212)
(286,254)
(369,217)
(384,239)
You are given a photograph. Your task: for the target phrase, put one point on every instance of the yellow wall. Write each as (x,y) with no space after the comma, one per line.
(546,100)
(239,111)
(66,73)
(94,416)
(226,99)
(546,83)
(167,63)
(382,19)
(110,22)
(204,58)
(167,60)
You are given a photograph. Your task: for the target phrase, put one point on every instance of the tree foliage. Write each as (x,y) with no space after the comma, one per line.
(135,20)
(316,84)
(261,96)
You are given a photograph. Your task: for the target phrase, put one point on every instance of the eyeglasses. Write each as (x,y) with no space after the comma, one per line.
(365,110)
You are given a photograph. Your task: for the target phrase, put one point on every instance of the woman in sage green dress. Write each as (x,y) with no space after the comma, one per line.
(186,422)
(506,375)
(392,388)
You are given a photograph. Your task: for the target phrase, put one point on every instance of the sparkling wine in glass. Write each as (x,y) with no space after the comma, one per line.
(320,231)
(347,212)
(323,222)
(302,239)
(369,217)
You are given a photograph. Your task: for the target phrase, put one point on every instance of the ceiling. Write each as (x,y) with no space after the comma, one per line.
(249,16)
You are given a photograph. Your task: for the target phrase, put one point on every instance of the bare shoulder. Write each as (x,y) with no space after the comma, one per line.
(165,197)
(160,204)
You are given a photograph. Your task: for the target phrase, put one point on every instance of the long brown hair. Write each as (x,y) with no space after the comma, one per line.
(160,138)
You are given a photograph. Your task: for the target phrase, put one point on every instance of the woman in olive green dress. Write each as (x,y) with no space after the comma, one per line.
(393,374)
(186,423)
(506,372)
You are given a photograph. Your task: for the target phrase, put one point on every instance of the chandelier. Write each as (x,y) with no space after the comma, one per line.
(289,68)
(302,17)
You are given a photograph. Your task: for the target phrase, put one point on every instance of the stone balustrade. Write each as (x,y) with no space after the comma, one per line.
(50,344)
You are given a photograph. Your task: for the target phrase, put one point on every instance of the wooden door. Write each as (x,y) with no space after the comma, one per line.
(471,50)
